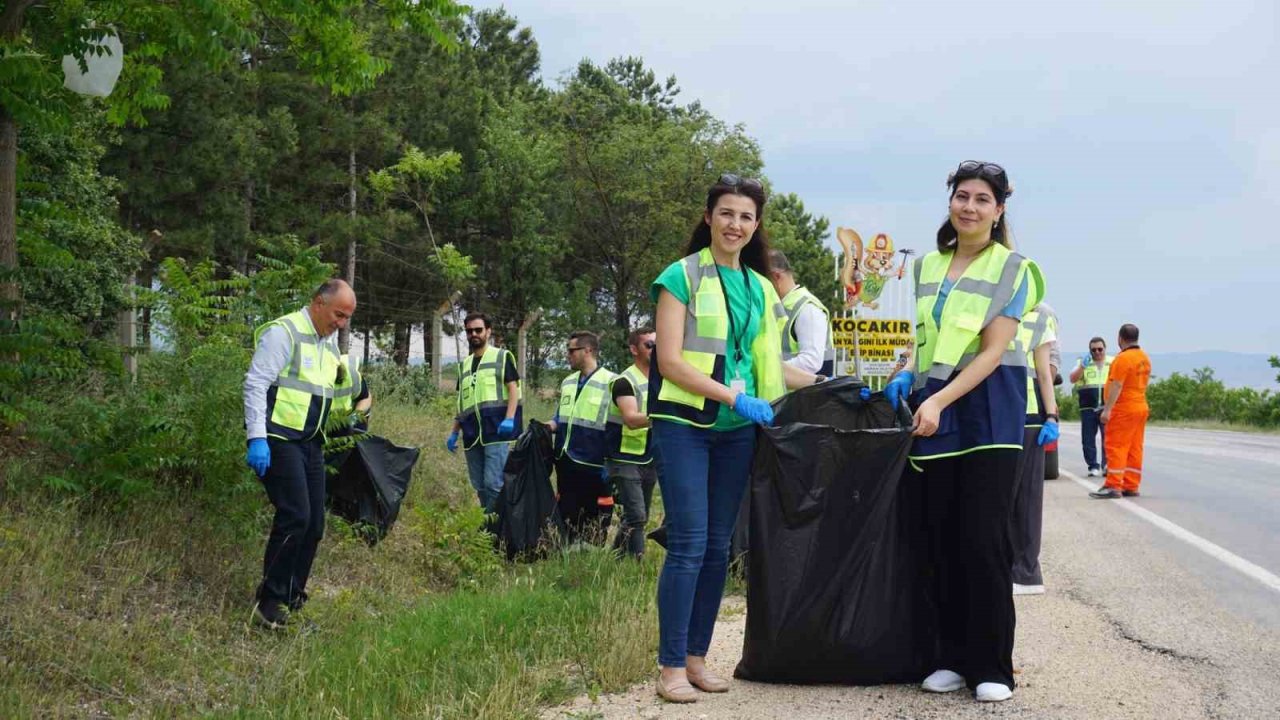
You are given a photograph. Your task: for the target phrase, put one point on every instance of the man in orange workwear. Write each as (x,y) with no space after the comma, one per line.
(1125,412)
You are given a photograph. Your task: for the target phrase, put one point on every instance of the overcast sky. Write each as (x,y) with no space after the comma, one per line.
(1142,138)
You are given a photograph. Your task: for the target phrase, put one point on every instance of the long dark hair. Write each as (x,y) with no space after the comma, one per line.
(1001,188)
(755,254)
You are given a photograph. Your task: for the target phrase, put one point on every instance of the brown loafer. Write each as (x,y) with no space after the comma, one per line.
(679,691)
(708,681)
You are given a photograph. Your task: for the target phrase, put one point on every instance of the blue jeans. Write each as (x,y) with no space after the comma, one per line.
(484,466)
(704,475)
(1089,429)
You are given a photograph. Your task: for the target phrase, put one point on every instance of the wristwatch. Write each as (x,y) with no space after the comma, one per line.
(1052,416)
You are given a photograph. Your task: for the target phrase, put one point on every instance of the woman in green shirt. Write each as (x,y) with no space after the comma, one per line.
(717,365)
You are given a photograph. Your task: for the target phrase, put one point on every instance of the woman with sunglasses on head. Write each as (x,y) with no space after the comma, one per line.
(969,394)
(716,367)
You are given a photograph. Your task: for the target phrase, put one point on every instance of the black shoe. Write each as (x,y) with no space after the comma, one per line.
(1105,493)
(1130,493)
(270,615)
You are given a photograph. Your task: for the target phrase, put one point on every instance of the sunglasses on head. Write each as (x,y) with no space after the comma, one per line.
(733,181)
(475,331)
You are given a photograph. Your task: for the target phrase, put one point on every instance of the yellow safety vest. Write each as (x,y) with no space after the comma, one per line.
(482,398)
(584,417)
(1031,334)
(992,414)
(793,303)
(628,444)
(706,341)
(298,401)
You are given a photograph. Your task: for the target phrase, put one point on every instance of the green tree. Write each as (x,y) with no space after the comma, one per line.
(802,237)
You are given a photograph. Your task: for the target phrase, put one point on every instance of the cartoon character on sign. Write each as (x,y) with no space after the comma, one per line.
(867,268)
(850,275)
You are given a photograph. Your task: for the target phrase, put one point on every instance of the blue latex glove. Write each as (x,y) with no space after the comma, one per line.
(1085,360)
(258,456)
(899,388)
(452,442)
(507,428)
(864,394)
(753,408)
(1048,433)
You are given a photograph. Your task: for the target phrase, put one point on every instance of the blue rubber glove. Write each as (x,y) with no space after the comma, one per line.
(1085,360)
(1048,433)
(899,388)
(864,394)
(451,442)
(753,408)
(507,428)
(258,456)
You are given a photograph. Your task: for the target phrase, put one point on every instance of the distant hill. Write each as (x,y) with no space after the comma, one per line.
(1232,368)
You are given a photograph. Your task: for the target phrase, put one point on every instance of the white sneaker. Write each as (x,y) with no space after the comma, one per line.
(992,692)
(942,681)
(1093,472)
(1028,589)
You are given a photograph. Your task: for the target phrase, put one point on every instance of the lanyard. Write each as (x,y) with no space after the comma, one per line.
(736,336)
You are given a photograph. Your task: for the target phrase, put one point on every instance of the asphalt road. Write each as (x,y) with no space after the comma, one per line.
(1222,486)
(1168,611)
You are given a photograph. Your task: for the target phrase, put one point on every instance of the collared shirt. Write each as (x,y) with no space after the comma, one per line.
(811,334)
(270,357)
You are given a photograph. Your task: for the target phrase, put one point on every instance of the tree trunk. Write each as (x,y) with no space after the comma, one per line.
(344,336)
(401,352)
(10,290)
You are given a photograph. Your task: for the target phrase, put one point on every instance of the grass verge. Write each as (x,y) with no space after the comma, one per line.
(142,610)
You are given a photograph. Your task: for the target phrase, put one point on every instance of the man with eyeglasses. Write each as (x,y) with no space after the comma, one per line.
(631,465)
(580,425)
(490,411)
(1089,376)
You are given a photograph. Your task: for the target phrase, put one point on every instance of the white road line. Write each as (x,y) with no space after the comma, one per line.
(1217,552)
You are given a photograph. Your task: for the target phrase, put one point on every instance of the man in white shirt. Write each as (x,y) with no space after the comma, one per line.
(806,339)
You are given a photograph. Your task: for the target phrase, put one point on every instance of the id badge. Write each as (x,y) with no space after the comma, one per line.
(738,385)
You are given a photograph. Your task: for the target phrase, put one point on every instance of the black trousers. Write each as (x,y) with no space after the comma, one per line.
(295,483)
(1028,511)
(967,501)
(585,501)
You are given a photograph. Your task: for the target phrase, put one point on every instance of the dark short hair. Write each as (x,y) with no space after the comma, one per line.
(1129,332)
(1095,339)
(633,338)
(586,339)
(755,254)
(476,316)
(778,260)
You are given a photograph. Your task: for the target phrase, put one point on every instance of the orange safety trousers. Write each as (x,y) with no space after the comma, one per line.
(1125,434)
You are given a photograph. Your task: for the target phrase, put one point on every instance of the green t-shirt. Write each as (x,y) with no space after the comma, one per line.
(746,309)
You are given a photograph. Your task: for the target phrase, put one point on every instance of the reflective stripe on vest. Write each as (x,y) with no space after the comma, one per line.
(482,398)
(584,417)
(298,400)
(793,303)
(977,298)
(706,334)
(627,444)
(993,413)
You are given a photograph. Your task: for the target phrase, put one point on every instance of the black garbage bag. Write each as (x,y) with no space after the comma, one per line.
(836,589)
(526,508)
(370,484)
